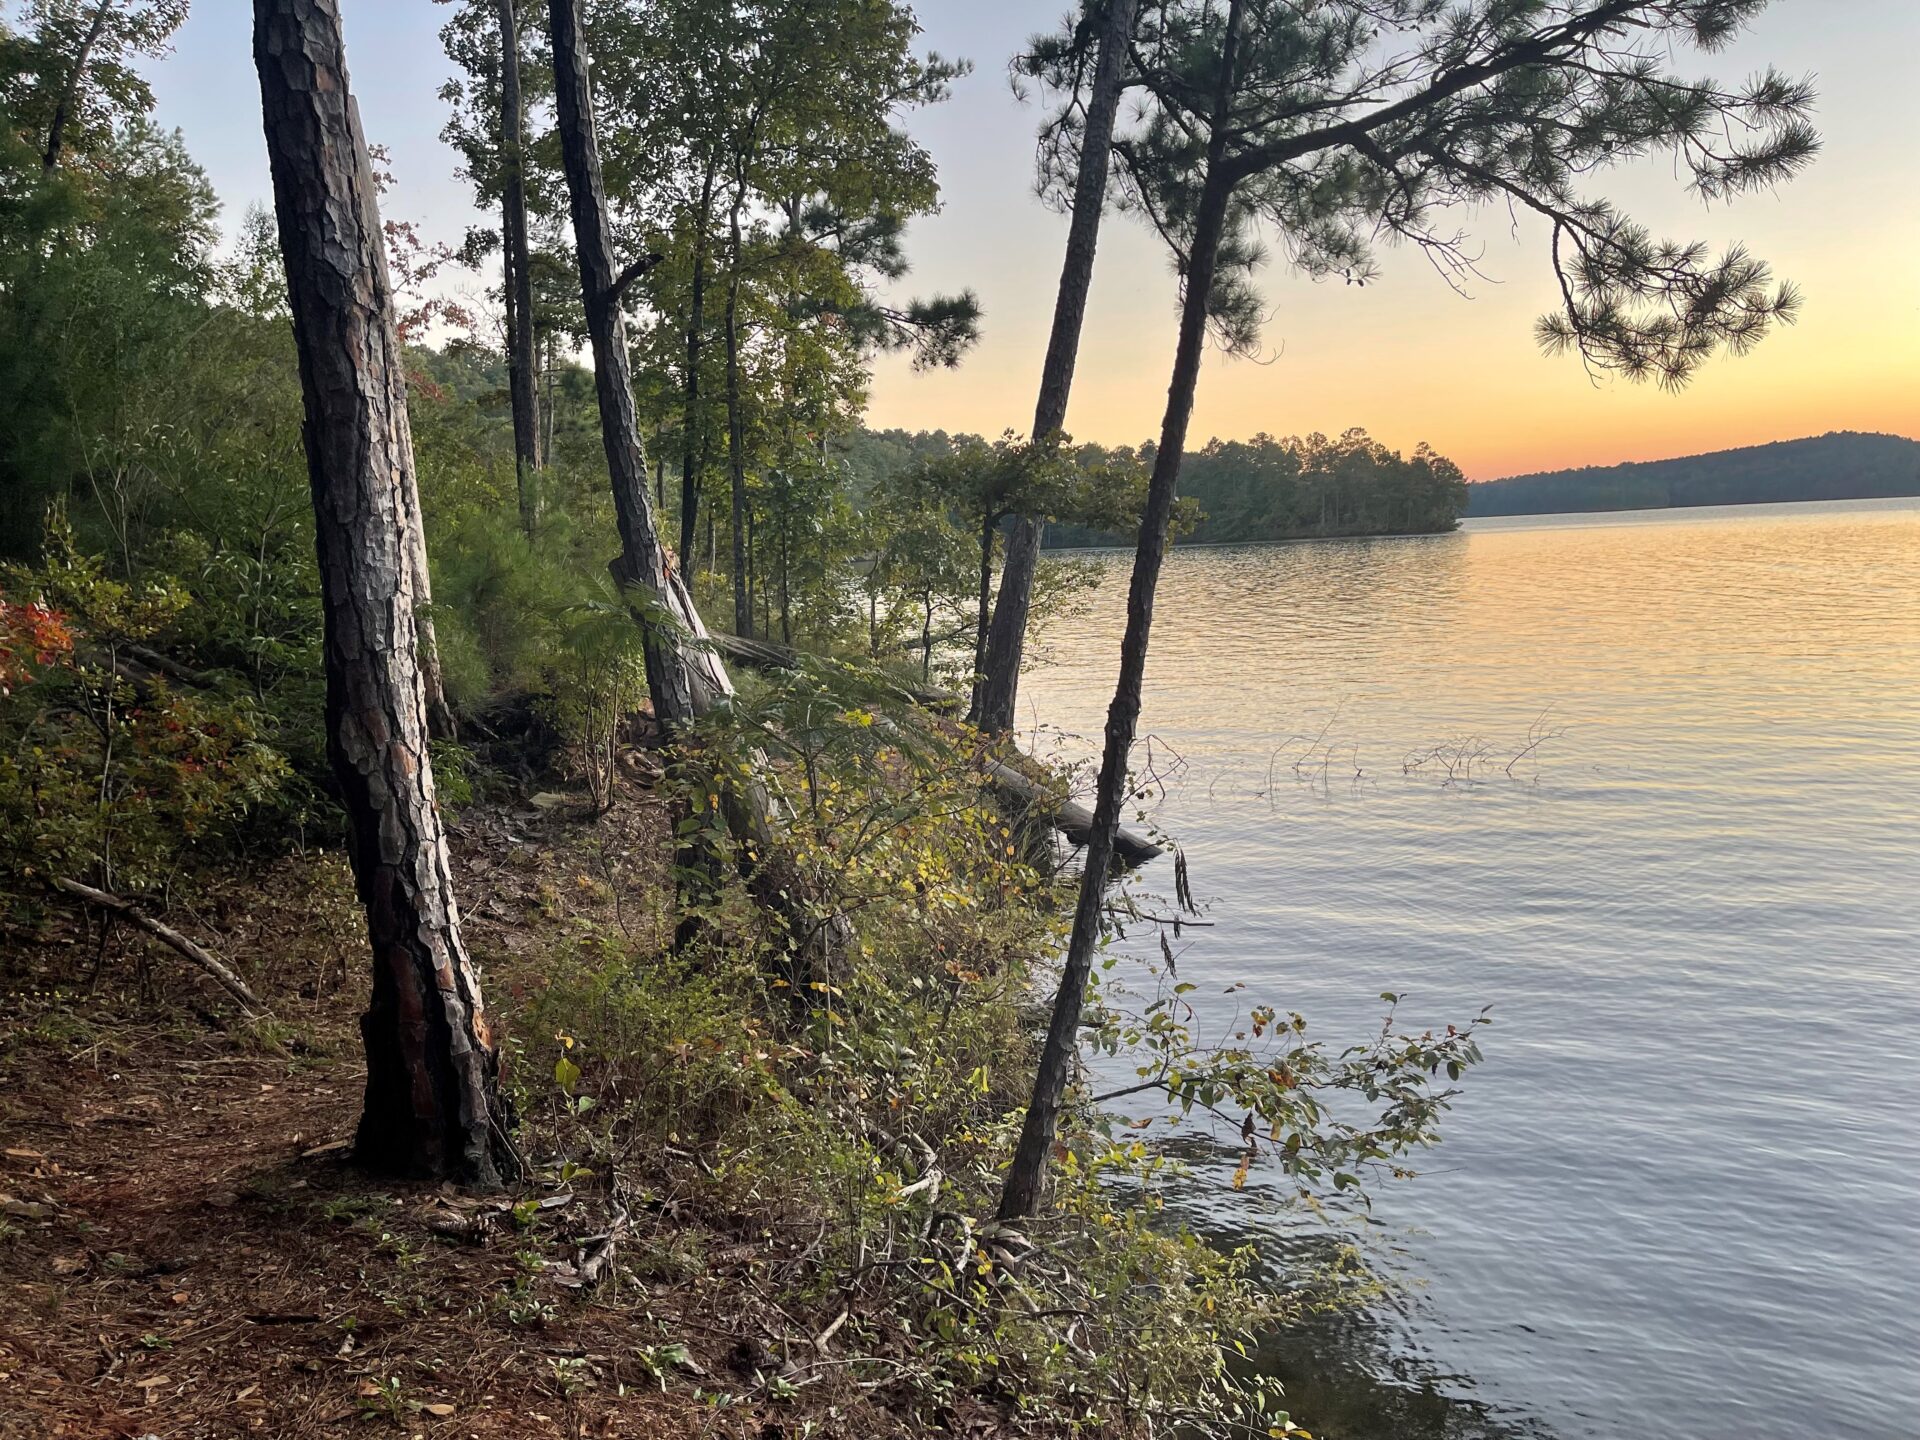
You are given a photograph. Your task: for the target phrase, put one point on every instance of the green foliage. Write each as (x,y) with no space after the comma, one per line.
(1230,490)
(1326,1117)
(43,74)
(938,506)
(867,1102)
(1268,489)
(535,617)
(919,578)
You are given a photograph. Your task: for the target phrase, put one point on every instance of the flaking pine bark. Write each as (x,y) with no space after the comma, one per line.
(433,1107)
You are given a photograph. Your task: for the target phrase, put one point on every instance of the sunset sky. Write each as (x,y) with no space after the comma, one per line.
(1406,358)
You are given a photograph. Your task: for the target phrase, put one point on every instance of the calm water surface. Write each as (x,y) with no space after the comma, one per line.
(1682,1198)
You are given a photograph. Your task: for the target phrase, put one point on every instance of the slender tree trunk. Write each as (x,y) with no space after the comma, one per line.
(548,411)
(519,276)
(686,679)
(692,449)
(70,92)
(1006,646)
(642,563)
(1020,1196)
(441,724)
(433,1106)
(736,422)
(786,566)
(984,620)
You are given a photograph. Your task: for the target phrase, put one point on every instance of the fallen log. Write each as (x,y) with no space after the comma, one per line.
(1069,817)
(770,655)
(167,935)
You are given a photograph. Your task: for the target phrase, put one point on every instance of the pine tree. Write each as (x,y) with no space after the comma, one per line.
(433,1105)
(1333,122)
(1090,144)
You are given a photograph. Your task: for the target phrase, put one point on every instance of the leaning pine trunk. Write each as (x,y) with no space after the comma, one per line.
(684,674)
(433,1107)
(642,565)
(519,276)
(1020,1196)
(999,686)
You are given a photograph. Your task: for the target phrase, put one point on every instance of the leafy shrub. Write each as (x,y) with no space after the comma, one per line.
(532,616)
(870,1114)
(108,770)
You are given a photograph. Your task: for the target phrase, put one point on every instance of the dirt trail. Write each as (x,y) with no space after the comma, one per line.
(182,1255)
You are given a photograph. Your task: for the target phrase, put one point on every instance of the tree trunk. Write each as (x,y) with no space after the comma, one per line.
(1020,1196)
(683,671)
(70,92)
(985,619)
(519,275)
(441,724)
(548,411)
(642,563)
(692,451)
(786,565)
(1006,646)
(736,424)
(433,1107)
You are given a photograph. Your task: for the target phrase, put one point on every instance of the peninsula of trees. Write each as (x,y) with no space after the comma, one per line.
(1840,465)
(1239,491)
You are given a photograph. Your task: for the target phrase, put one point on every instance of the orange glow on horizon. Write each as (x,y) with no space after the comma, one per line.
(1407,358)
(1410,361)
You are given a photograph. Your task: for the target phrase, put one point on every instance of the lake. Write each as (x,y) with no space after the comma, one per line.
(1649,785)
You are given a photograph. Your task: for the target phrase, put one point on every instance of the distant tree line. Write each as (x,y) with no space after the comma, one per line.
(1242,490)
(1840,465)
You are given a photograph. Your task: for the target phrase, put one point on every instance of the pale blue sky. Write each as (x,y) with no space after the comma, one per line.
(1406,357)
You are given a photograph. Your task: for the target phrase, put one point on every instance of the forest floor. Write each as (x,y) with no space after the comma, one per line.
(184,1252)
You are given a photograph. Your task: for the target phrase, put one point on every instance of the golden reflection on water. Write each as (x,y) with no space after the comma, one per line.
(1685,1175)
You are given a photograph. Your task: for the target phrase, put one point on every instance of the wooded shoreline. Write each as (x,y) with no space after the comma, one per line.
(1120,548)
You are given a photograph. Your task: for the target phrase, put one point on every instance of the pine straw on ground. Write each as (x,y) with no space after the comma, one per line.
(183,1252)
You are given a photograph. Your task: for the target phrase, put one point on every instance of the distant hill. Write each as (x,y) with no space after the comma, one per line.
(1843,465)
